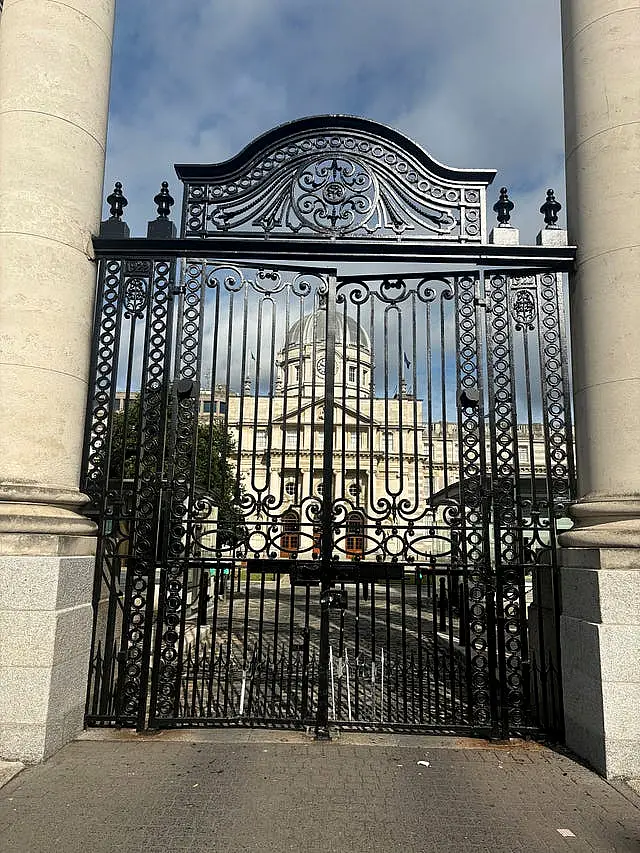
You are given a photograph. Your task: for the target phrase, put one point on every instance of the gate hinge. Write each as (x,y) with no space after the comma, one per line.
(480,302)
(178,289)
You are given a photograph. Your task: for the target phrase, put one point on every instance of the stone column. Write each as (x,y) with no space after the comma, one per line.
(55,63)
(600,625)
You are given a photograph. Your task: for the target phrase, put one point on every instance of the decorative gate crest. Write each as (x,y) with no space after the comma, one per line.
(351,178)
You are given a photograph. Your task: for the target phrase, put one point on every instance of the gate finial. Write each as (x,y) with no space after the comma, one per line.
(503,207)
(164,201)
(117,201)
(550,210)
(162,228)
(115,227)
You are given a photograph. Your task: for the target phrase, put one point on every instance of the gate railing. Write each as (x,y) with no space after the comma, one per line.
(408,434)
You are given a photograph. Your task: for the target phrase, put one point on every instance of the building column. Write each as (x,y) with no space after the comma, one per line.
(55,61)
(600,574)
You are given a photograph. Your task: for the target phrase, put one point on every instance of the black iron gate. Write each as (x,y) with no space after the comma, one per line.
(324,499)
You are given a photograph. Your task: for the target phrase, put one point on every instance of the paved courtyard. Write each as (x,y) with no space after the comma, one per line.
(383,662)
(237,791)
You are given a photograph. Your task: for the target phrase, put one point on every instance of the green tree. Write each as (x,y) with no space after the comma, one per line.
(215,476)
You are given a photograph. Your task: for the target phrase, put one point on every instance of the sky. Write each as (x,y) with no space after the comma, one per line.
(477,83)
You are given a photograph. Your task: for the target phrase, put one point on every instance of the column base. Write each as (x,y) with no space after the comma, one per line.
(27,510)
(45,640)
(600,645)
(611,523)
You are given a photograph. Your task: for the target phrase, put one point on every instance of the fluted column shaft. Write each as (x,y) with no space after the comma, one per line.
(601,45)
(55,61)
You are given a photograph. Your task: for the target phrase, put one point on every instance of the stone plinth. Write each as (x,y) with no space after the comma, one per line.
(504,235)
(552,237)
(45,625)
(600,638)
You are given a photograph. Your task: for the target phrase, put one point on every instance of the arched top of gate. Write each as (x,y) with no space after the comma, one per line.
(335,177)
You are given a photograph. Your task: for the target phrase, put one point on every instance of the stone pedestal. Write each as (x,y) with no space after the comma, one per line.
(45,626)
(552,237)
(600,638)
(504,235)
(55,63)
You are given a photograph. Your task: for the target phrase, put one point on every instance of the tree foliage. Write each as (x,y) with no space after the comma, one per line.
(214,471)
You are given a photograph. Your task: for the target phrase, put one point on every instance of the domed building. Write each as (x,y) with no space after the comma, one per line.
(303,358)
(392,466)
(377,456)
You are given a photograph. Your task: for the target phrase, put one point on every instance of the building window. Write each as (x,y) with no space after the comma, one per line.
(352,373)
(206,407)
(222,407)
(523,455)
(355,536)
(291,439)
(261,439)
(355,489)
(353,438)
(290,539)
(290,488)
(387,442)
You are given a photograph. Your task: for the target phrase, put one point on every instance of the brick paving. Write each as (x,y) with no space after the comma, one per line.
(407,684)
(263,791)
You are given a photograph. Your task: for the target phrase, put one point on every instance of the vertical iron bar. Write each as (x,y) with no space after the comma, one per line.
(322,717)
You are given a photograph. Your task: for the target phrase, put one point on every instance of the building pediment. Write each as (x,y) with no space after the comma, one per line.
(313,413)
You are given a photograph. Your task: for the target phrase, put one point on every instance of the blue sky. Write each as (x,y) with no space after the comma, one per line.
(478,83)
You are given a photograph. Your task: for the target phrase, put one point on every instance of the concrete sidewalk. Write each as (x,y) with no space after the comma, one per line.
(236,791)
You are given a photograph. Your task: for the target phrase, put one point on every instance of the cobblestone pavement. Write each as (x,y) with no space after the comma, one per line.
(263,791)
(406,684)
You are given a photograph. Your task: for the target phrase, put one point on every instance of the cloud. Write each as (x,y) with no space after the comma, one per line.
(477,84)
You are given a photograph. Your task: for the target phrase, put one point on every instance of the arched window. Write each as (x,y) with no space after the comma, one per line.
(291,488)
(290,539)
(355,536)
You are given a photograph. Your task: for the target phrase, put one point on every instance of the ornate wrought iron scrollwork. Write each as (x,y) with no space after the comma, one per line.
(523,308)
(507,511)
(334,196)
(293,367)
(135,298)
(336,183)
(136,639)
(555,384)
(473,519)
